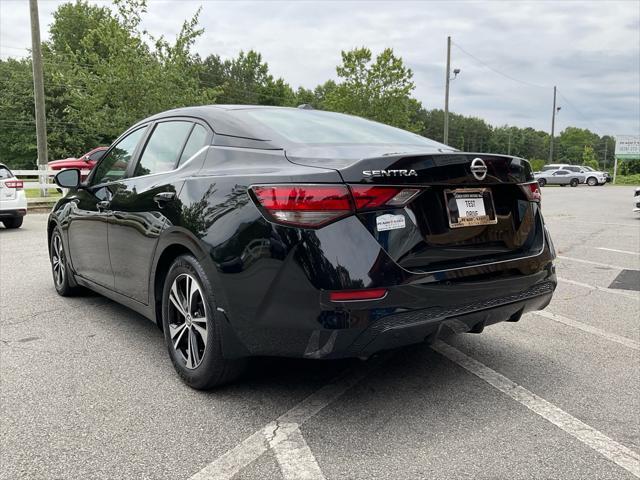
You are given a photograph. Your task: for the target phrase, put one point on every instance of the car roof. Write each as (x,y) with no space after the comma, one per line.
(222,120)
(235,129)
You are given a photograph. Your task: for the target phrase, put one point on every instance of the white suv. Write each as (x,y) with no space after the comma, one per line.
(13,201)
(595,177)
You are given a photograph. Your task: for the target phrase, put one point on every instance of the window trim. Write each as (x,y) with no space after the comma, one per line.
(192,120)
(208,141)
(134,155)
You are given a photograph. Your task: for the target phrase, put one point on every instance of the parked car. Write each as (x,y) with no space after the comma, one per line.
(300,233)
(636,200)
(595,177)
(13,201)
(560,177)
(589,176)
(85,162)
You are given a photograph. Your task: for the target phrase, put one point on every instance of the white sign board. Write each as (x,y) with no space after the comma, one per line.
(628,145)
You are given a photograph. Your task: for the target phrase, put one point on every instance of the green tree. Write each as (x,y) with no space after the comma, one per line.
(589,157)
(379,90)
(571,143)
(245,80)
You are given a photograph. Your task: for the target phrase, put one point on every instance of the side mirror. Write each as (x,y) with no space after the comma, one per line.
(69,178)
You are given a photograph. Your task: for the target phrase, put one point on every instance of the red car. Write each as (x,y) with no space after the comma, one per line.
(85,162)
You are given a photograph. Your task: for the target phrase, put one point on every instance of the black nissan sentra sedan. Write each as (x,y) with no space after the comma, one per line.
(245,231)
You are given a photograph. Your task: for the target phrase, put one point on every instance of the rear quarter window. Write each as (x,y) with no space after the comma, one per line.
(5,173)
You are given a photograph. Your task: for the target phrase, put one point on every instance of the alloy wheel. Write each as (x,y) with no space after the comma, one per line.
(57,260)
(188,320)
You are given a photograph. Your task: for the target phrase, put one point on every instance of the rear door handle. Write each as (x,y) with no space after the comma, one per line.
(164,197)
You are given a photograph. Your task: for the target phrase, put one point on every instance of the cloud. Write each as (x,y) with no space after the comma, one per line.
(589,49)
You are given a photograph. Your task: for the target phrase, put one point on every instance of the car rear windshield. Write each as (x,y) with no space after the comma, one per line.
(5,173)
(318,127)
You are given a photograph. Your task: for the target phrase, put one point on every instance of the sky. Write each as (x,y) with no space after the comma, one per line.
(511,54)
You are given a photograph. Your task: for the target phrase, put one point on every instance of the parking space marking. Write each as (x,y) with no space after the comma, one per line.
(293,454)
(617,251)
(572,219)
(601,289)
(250,449)
(589,262)
(627,342)
(596,440)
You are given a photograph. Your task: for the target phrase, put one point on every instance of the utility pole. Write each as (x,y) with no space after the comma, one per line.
(606,144)
(38,91)
(446,94)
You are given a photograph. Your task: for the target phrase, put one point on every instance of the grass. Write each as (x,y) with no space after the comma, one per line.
(35,193)
(628,179)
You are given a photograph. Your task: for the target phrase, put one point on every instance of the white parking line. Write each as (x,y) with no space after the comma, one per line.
(617,251)
(601,289)
(229,464)
(627,342)
(572,219)
(293,454)
(589,262)
(605,446)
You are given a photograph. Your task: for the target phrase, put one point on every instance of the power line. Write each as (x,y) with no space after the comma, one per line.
(495,70)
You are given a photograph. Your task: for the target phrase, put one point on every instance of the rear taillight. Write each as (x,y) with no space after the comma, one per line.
(304,205)
(532,191)
(313,206)
(369,197)
(17,184)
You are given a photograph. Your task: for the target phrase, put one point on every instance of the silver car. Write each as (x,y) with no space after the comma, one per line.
(561,176)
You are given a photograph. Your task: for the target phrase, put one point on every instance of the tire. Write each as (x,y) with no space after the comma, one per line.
(15,222)
(59,266)
(574,182)
(193,329)
(542,182)
(592,181)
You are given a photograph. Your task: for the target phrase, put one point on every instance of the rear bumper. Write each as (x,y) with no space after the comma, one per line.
(282,307)
(428,324)
(15,207)
(293,326)
(13,213)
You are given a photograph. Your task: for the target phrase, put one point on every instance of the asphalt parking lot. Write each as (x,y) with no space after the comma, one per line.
(87,389)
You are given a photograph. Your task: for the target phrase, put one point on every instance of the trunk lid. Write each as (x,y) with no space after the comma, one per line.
(426,235)
(7,193)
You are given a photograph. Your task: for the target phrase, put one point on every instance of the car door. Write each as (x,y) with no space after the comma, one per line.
(148,202)
(87,231)
(559,177)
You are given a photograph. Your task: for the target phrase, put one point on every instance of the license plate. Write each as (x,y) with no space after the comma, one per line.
(467,207)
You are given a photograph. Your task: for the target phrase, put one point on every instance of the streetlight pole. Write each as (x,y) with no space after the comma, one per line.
(38,91)
(446,94)
(553,126)
(448,81)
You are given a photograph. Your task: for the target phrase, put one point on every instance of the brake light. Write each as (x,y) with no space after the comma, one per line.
(355,295)
(305,205)
(313,206)
(532,191)
(17,184)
